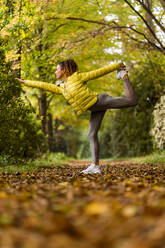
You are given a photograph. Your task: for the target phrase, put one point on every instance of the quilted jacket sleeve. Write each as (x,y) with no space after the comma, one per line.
(85,76)
(44,86)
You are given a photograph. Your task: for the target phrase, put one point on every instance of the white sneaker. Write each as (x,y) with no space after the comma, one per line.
(121,73)
(96,169)
(92,169)
(88,169)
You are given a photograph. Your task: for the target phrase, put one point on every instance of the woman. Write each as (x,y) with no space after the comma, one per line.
(74,88)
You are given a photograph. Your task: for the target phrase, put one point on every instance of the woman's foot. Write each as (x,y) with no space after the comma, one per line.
(122,74)
(92,169)
(122,66)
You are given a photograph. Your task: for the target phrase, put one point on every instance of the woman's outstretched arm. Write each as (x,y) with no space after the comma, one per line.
(41,85)
(85,76)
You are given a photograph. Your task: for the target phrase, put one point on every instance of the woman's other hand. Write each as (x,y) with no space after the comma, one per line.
(20,80)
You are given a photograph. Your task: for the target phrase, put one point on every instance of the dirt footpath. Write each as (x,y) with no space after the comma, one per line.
(59,208)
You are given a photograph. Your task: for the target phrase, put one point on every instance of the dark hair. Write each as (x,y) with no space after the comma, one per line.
(69,65)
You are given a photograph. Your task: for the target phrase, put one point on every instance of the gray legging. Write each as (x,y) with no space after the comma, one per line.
(98,110)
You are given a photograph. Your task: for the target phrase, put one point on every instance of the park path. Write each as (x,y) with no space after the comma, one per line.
(56,207)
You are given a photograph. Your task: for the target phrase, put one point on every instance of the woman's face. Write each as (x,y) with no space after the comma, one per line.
(59,72)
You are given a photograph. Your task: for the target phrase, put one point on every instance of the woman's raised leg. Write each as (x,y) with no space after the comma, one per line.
(107,102)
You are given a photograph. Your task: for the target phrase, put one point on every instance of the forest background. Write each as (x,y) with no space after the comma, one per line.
(36,35)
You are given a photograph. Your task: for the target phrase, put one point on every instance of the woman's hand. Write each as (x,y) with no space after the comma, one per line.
(20,80)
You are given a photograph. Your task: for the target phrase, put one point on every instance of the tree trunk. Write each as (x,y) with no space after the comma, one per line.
(42,100)
(149,20)
(50,133)
(42,103)
(17,62)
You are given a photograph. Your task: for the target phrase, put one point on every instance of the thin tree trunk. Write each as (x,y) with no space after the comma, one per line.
(149,20)
(42,102)
(50,133)
(19,50)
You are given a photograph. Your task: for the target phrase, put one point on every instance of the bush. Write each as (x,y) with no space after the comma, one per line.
(67,141)
(20,134)
(84,148)
(158,129)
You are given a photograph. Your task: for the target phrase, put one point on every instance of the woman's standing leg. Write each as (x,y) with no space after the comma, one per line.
(94,126)
(95,120)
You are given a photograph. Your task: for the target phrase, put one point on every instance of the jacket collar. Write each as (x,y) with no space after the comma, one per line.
(59,82)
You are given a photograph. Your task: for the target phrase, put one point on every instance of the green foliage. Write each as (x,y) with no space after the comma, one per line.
(84,149)
(44,42)
(154,158)
(68,140)
(46,160)
(158,129)
(20,134)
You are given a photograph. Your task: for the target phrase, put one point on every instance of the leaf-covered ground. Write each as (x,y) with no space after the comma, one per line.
(59,208)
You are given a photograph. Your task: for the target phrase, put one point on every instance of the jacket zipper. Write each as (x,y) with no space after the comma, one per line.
(64,87)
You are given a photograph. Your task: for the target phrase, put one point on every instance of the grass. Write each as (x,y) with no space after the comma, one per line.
(155,158)
(53,159)
(59,159)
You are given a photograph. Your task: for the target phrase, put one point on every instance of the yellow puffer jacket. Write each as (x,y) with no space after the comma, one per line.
(75,90)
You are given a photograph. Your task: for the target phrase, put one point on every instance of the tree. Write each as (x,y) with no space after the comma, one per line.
(51,31)
(133,26)
(20,134)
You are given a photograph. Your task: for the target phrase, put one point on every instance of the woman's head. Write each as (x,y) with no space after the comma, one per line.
(67,68)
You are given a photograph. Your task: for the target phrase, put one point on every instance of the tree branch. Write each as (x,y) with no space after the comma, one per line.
(151,14)
(117,26)
(80,19)
(162,3)
(60,26)
(150,29)
(151,43)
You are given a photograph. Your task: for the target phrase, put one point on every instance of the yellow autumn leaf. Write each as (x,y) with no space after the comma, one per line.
(96,208)
(3,195)
(158,188)
(63,184)
(129,211)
